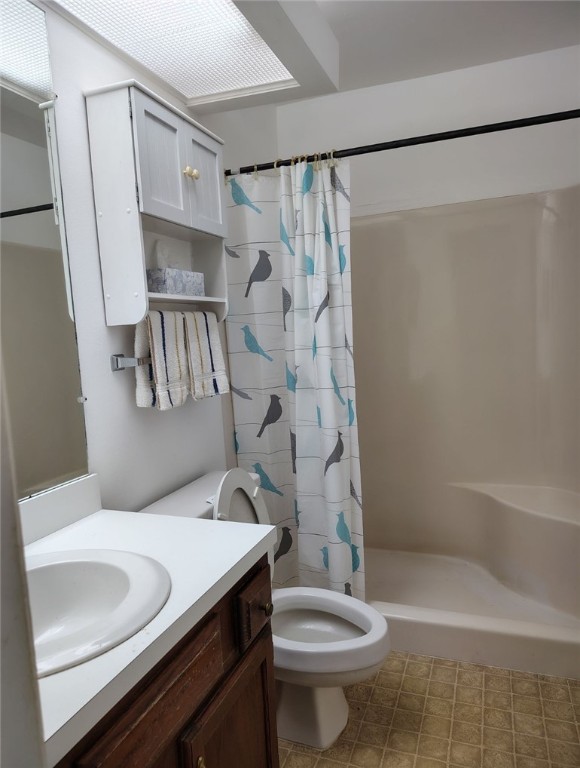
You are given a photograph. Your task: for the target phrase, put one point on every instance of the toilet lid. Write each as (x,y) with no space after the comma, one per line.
(238,499)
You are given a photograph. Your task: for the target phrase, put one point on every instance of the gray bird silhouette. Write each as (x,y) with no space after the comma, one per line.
(348,347)
(272,414)
(231,253)
(286,304)
(354,495)
(336,454)
(347,589)
(337,184)
(285,544)
(323,306)
(240,393)
(293,450)
(261,271)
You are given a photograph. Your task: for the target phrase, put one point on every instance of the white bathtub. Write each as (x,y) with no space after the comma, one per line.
(500,586)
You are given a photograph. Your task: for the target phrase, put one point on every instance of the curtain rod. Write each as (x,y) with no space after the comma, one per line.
(20,211)
(413,141)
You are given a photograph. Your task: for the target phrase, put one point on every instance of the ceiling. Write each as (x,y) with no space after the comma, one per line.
(386,41)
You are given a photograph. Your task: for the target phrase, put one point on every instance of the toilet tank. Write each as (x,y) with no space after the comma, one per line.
(193,500)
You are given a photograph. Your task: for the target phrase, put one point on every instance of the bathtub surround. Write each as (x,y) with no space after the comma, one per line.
(471,444)
(290,346)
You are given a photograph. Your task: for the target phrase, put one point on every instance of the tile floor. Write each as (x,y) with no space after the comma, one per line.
(421,712)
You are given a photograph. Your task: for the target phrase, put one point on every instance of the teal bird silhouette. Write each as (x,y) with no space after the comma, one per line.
(236,444)
(341,258)
(327,236)
(324,551)
(355,558)
(239,196)
(284,236)
(297,513)
(307,179)
(309,265)
(252,343)
(319,416)
(314,348)
(265,481)
(342,530)
(336,387)
(291,379)
(350,413)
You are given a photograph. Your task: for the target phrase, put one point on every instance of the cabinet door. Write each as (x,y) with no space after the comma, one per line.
(163,187)
(238,728)
(205,183)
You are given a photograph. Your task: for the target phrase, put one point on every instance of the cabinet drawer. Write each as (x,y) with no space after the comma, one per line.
(149,724)
(254,607)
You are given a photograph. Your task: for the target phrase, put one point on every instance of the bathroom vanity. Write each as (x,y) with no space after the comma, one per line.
(208,702)
(195,686)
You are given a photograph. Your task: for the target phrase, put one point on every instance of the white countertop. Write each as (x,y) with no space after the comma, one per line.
(204,558)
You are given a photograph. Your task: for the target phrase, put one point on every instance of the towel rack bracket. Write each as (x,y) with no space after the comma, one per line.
(120,362)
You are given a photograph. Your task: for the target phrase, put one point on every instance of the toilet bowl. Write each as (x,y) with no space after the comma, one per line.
(323,640)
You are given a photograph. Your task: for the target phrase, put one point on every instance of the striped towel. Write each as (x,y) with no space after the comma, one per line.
(207,370)
(163,383)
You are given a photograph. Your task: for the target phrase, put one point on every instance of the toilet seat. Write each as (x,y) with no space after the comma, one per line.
(252,511)
(329,656)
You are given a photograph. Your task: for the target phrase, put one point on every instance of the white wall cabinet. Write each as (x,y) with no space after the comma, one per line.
(157,176)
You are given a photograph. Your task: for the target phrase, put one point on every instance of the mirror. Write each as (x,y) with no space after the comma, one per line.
(39,353)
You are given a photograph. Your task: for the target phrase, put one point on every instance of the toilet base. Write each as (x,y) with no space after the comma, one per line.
(312,716)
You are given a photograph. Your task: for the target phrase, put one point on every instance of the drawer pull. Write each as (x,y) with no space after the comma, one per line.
(268,609)
(191,173)
(201,762)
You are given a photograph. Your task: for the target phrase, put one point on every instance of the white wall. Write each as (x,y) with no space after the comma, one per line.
(139,454)
(17,191)
(515,162)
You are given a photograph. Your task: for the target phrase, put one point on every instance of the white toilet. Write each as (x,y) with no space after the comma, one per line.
(323,640)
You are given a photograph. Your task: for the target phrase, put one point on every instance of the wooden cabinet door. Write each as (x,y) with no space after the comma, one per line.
(238,727)
(203,155)
(159,142)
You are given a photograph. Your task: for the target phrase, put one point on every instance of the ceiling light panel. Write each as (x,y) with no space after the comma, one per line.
(24,48)
(200,47)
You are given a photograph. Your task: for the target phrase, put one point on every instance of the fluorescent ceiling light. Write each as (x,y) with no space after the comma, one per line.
(24,48)
(201,48)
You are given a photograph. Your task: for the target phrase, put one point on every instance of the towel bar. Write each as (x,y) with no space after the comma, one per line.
(120,362)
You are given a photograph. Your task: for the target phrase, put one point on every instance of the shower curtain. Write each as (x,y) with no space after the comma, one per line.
(289,333)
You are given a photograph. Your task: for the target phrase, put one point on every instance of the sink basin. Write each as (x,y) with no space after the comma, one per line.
(84,602)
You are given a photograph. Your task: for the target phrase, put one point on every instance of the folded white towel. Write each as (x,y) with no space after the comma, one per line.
(207,370)
(163,384)
(146,394)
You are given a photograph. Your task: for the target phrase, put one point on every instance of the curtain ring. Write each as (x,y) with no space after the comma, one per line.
(255,172)
(292,160)
(317,161)
(276,163)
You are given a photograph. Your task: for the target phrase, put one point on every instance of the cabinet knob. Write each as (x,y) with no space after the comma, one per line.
(201,762)
(268,609)
(191,173)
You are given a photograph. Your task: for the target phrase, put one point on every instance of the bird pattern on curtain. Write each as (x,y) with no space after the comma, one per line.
(289,333)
